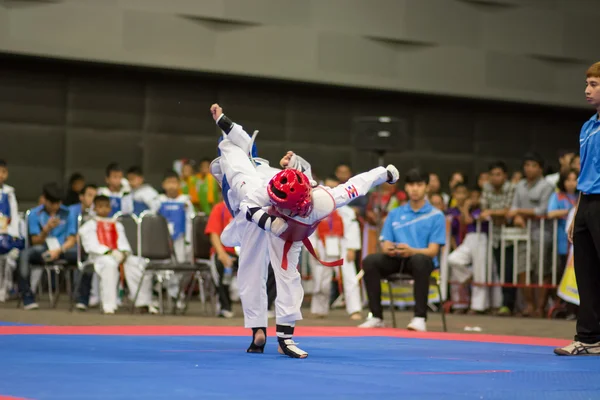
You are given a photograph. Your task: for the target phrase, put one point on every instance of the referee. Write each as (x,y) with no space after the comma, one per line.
(584,231)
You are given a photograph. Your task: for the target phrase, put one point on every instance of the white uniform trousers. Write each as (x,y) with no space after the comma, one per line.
(470,260)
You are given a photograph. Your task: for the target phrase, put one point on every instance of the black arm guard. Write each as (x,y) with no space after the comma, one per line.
(225,124)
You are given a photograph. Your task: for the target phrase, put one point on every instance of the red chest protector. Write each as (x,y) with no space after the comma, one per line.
(299,232)
(107,234)
(332,226)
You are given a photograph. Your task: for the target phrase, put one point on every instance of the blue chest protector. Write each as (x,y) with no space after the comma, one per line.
(4,205)
(115,205)
(174,212)
(139,207)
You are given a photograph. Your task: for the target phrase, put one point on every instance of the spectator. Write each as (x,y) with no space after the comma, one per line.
(105,242)
(117,190)
(189,182)
(496,201)
(435,187)
(207,188)
(468,261)
(565,157)
(411,240)
(437,201)
(560,204)
(516,177)
(11,240)
(143,194)
(225,258)
(178,211)
(83,209)
(76,184)
(482,179)
(576,163)
(531,202)
(379,203)
(456,178)
(343,172)
(49,231)
(336,237)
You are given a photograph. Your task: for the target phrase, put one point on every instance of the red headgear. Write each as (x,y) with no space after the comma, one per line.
(290,190)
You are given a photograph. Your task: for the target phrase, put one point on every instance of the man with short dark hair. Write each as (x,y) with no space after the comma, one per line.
(50,237)
(410,241)
(117,190)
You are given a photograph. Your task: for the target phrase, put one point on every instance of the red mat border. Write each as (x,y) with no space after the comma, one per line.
(300,331)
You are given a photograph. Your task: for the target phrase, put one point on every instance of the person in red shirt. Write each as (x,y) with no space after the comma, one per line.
(224,258)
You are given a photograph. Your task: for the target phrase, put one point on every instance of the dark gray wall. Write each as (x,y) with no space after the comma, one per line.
(57,118)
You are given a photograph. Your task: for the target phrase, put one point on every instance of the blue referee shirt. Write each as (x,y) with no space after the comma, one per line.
(415,228)
(589,149)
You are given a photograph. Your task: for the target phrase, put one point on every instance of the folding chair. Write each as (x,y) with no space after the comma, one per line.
(156,246)
(57,267)
(82,266)
(206,274)
(406,278)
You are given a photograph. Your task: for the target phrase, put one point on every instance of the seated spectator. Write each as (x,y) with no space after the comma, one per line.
(559,205)
(224,258)
(337,237)
(469,259)
(411,239)
(106,244)
(83,209)
(437,201)
(379,203)
(207,188)
(143,194)
(11,240)
(435,187)
(117,190)
(565,157)
(531,202)
(75,185)
(48,228)
(178,211)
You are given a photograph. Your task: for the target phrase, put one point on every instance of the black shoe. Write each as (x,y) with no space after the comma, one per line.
(255,348)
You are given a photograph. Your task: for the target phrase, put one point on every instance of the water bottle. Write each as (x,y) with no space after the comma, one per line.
(227,276)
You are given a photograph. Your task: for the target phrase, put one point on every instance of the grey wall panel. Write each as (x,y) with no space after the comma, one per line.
(36,98)
(111,102)
(443,131)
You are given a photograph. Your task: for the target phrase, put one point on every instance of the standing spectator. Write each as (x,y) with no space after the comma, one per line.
(379,203)
(224,258)
(411,239)
(49,229)
(565,157)
(343,172)
(435,187)
(496,200)
(576,163)
(143,194)
(76,184)
(516,177)
(584,231)
(482,179)
(531,202)
(560,204)
(11,240)
(189,184)
(456,178)
(207,188)
(437,201)
(117,190)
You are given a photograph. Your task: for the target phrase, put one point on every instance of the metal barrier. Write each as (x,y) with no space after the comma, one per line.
(516,237)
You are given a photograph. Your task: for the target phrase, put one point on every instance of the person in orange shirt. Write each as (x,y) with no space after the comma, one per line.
(224,258)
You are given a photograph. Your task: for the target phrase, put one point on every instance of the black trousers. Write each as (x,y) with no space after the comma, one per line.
(379,266)
(509,294)
(586,245)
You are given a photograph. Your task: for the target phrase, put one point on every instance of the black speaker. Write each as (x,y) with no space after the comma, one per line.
(379,134)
